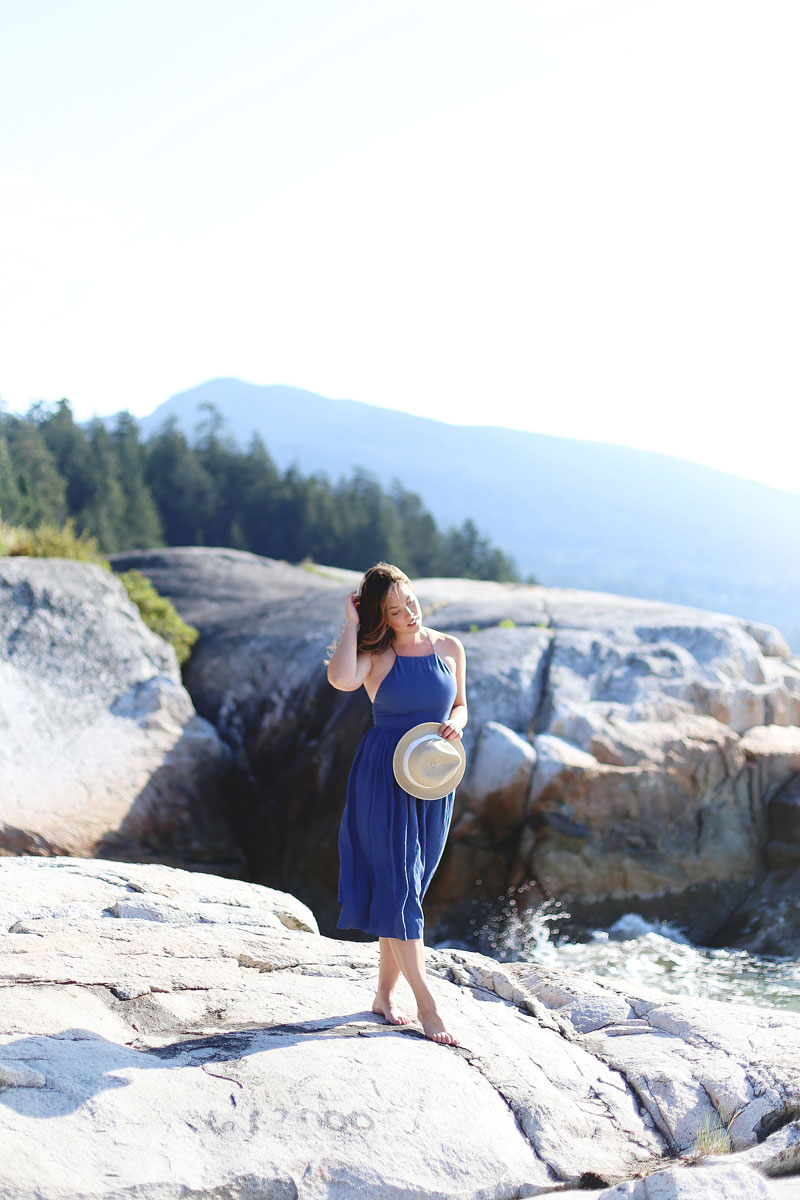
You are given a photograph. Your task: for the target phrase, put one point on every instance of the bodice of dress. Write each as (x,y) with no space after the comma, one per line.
(415,690)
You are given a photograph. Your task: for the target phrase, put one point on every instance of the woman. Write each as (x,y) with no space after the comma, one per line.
(389,842)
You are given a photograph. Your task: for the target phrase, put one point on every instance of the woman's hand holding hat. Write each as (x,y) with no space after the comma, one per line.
(426,765)
(449,731)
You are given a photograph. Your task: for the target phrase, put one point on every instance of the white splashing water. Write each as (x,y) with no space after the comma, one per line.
(648,953)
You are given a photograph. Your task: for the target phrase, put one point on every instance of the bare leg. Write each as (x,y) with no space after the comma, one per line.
(388,975)
(410,956)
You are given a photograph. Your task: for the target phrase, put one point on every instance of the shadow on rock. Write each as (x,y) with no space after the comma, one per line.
(51,1076)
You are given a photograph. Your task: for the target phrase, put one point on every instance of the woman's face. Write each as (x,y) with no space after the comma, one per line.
(402,609)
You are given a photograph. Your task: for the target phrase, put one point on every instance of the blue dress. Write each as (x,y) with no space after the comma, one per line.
(390,843)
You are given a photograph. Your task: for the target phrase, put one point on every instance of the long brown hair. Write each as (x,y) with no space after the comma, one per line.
(374,631)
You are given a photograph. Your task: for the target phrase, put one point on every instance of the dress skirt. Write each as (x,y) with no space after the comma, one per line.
(390,843)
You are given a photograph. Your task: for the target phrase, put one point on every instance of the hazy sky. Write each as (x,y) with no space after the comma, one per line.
(573,216)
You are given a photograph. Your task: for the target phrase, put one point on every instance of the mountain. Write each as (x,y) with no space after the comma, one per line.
(574,513)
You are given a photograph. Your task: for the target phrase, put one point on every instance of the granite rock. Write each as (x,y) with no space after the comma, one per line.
(101,750)
(185,1034)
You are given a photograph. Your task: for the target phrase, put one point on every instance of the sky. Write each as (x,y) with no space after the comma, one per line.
(577,217)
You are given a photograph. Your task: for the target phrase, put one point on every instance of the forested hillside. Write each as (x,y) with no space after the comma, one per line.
(205,490)
(580,514)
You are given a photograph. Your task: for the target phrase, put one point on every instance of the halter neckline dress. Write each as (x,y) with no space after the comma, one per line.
(390,843)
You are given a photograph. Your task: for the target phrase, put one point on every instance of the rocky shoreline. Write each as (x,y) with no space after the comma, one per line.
(168,1033)
(623,755)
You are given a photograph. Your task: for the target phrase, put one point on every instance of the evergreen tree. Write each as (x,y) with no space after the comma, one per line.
(259,482)
(421,538)
(289,536)
(323,520)
(181,487)
(143,526)
(42,490)
(218,455)
(104,513)
(469,555)
(11,501)
(70,448)
(370,524)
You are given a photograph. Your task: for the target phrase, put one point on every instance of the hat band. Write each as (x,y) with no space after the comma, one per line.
(426,737)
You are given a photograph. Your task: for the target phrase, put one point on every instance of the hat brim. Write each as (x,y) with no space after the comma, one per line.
(407,784)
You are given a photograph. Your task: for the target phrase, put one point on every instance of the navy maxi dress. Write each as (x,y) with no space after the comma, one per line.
(390,843)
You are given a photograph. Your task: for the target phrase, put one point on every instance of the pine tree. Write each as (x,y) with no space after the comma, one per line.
(181,487)
(41,488)
(11,502)
(143,526)
(218,455)
(259,484)
(104,514)
(70,448)
(371,528)
(421,538)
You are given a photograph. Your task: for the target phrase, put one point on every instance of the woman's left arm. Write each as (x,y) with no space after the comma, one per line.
(451,729)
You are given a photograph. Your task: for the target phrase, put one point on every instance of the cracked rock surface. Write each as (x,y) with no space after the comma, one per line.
(166,1033)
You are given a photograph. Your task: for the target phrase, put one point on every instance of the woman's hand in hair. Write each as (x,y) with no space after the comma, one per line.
(351,608)
(347,668)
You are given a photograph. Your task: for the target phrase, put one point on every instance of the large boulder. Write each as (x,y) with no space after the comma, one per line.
(101,750)
(622,753)
(188,1035)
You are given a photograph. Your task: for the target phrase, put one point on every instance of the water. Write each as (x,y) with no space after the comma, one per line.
(641,952)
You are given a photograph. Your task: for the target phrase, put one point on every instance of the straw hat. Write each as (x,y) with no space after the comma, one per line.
(428,766)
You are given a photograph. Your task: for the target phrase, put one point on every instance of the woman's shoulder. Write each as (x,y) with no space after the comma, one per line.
(385,652)
(377,659)
(445,643)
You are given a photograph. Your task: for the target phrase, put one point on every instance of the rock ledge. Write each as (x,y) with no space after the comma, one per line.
(190,1035)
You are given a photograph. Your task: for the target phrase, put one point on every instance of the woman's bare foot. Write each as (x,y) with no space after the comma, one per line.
(385,1007)
(433,1026)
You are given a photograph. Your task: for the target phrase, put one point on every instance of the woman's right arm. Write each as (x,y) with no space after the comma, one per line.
(348,669)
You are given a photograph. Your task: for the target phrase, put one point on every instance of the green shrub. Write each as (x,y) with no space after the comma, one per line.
(49,541)
(6,536)
(159,614)
(506,623)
